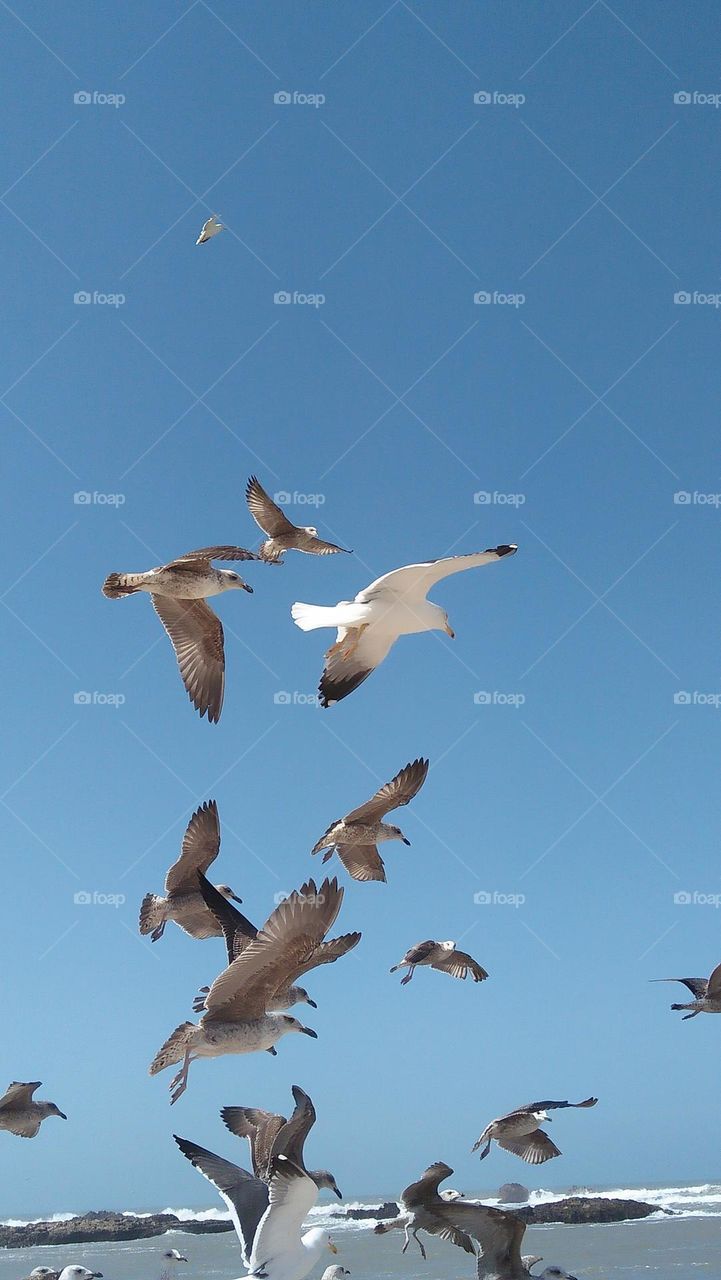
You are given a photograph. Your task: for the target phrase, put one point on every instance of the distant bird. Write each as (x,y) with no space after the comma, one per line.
(20,1115)
(369,625)
(519,1132)
(335,1273)
(270,1135)
(706,993)
(355,837)
(423,1209)
(282,534)
(183,902)
(42,1273)
(267,1218)
(239,933)
(237,1017)
(174,1256)
(178,591)
(210,229)
(442,956)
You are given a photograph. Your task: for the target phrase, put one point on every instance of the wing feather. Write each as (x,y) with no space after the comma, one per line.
(196,634)
(399,791)
(200,846)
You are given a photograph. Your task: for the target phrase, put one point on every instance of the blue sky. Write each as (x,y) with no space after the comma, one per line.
(581,407)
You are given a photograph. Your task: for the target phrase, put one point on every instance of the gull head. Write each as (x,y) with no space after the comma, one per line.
(79,1273)
(311,529)
(174,1255)
(556,1273)
(299,995)
(449,945)
(542,1117)
(324,1178)
(232,581)
(334,1272)
(292,1024)
(49,1109)
(227,892)
(398,835)
(450,1195)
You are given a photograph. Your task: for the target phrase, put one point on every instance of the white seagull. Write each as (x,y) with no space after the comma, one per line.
(79,1273)
(210,229)
(392,606)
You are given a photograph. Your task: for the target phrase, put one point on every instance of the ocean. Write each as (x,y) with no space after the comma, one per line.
(682,1247)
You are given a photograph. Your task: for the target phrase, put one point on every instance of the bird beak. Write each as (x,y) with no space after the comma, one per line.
(406,841)
(307,1031)
(235,897)
(312,1003)
(449,631)
(338,1192)
(332,1247)
(247,588)
(62,1115)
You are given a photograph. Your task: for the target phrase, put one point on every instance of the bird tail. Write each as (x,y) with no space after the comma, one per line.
(174,1048)
(121,584)
(311,616)
(150,914)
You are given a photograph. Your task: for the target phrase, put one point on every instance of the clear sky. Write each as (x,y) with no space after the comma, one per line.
(586,403)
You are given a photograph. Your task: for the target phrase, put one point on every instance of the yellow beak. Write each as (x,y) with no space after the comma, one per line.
(449,631)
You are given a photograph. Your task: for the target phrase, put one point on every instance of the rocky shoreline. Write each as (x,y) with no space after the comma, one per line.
(572,1210)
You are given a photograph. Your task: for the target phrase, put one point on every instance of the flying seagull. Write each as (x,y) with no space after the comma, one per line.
(174,1255)
(443,956)
(392,606)
(179,591)
(20,1115)
(183,902)
(519,1132)
(210,229)
(423,1209)
(355,837)
(271,1135)
(239,933)
(706,993)
(238,1018)
(267,1217)
(281,534)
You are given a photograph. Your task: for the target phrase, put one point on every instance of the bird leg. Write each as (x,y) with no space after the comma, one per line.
(409,975)
(179,1083)
(695,1014)
(418,1242)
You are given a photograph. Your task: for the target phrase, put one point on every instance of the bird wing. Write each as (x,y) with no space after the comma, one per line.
(552,1106)
(500,1235)
(399,791)
(535,1147)
(267,514)
(416,580)
(362,861)
(425,1189)
(290,1139)
(274,958)
(342,675)
(697,986)
(458,964)
(206,554)
(18,1094)
(237,928)
(260,1128)
(418,953)
(245,1196)
(196,635)
(292,1194)
(329,952)
(24,1124)
(713,990)
(200,846)
(316,546)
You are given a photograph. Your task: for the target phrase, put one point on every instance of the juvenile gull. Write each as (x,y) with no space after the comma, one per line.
(183,902)
(20,1115)
(500,1237)
(443,956)
(210,229)
(179,591)
(355,837)
(519,1132)
(238,1018)
(271,1135)
(423,1209)
(282,534)
(706,993)
(239,933)
(369,625)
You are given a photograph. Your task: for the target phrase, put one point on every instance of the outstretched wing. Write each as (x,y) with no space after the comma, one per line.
(554,1106)
(221,552)
(260,1128)
(290,1140)
(18,1094)
(341,675)
(425,1189)
(292,1196)
(500,1236)
(237,928)
(196,635)
(200,846)
(267,514)
(535,1147)
(245,1196)
(328,953)
(399,791)
(697,986)
(362,861)
(414,581)
(459,964)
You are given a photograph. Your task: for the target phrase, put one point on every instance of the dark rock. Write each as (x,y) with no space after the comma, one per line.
(513,1193)
(578,1209)
(102,1226)
(389,1209)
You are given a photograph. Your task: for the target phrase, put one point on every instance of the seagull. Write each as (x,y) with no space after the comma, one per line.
(335,1273)
(20,1115)
(183,902)
(519,1133)
(442,956)
(423,1209)
(392,606)
(267,1218)
(500,1236)
(706,993)
(239,933)
(282,534)
(174,1256)
(79,1273)
(42,1273)
(237,1017)
(270,1135)
(210,229)
(178,591)
(354,838)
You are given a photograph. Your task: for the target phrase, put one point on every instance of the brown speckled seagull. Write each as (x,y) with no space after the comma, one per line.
(443,956)
(281,534)
(183,902)
(179,591)
(20,1115)
(706,993)
(355,837)
(519,1132)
